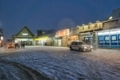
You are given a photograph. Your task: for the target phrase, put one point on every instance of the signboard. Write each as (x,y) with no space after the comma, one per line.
(25,34)
(62,33)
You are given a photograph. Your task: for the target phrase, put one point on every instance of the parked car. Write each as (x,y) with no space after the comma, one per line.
(81,46)
(10,45)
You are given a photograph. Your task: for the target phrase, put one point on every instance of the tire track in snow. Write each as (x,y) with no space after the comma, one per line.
(8,72)
(90,70)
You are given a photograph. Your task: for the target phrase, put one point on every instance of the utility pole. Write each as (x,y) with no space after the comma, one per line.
(1,37)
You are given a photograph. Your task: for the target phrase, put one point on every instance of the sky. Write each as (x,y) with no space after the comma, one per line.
(52,14)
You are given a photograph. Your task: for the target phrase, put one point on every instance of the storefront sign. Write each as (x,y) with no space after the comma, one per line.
(42,38)
(24,34)
(74,31)
(87,33)
(62,33)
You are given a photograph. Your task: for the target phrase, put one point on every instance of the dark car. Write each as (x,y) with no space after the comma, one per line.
(10,45)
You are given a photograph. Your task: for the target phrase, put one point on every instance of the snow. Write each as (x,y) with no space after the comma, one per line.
(60,63)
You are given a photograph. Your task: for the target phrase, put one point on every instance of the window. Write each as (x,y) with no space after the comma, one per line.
(117,22)
(95,25)
(107,38)
(83,28)
(80,43)
(88,27)
(101,38)
(73,43)
(119,37)
(114,38)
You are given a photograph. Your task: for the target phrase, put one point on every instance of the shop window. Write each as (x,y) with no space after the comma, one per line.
(95,25)
(119,37)
(116,22)
(114,38)
(107,38)
(88,27)
(83,28)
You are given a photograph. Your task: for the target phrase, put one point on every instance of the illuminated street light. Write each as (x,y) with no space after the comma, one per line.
(1,38)
(110,17)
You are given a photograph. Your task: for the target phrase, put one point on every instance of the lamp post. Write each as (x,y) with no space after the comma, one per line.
(1,39)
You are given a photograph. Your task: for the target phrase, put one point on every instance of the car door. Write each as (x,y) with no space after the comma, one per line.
(73,45)
(76,45)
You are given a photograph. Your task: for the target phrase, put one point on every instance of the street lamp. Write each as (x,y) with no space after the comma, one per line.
(1,37)
(110,17)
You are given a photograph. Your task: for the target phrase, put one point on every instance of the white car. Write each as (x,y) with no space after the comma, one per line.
(80,46)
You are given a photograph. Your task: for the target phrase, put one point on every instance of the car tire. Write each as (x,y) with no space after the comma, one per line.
(90,50)
(80,50)
(71,48)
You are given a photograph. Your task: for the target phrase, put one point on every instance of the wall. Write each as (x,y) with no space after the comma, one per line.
(62,33)
(109,24)
(74,31)
(62,37)
(90,27)
(109,38)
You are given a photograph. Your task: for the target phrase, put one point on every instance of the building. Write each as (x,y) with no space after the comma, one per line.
(44,32)
(44,37)
(51,39)
(74,32)
(115,14)
(109,38)
(24,35)
(113,21)
(111,24)
(61,37)
(39,32)
(88,32)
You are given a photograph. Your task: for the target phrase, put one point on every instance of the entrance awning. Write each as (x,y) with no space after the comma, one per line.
(42,38)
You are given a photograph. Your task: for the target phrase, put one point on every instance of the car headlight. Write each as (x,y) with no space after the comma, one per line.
(85,47)
(91,47)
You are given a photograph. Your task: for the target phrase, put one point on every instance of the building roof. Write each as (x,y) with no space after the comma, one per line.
(25,27)
(115,14)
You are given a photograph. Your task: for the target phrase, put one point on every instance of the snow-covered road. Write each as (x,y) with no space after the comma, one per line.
(60,63)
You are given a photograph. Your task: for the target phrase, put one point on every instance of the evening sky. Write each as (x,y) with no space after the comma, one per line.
(52,14)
